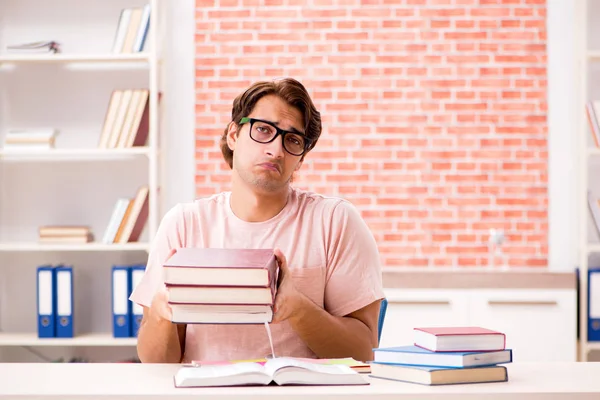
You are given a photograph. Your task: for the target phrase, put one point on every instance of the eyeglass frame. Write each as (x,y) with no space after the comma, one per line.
(280,132)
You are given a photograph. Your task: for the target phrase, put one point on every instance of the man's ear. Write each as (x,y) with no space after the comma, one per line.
(232,135)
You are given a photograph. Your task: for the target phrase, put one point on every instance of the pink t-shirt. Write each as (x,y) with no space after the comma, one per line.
(330,250)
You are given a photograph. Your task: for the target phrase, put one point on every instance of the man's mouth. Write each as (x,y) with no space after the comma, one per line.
(271,166)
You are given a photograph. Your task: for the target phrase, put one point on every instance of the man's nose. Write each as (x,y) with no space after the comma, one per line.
(275,148)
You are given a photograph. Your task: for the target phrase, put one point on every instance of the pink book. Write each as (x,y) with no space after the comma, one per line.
(446,339)
(193,266)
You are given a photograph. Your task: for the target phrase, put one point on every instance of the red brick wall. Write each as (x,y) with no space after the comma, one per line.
(434,114)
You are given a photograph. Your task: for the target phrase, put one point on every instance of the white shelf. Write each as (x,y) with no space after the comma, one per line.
(74,58)
(89,339)
(34,246)
(72,154)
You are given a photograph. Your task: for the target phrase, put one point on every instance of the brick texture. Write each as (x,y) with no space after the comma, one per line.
(434,111)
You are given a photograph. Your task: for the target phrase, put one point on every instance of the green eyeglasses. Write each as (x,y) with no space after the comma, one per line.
(265,132)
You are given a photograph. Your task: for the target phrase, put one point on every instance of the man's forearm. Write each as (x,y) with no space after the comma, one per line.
(329,336)
(158,341)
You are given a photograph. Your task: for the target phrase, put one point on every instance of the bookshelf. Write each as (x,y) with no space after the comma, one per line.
(588,62)
(75,183)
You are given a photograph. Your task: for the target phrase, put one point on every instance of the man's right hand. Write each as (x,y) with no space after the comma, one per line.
(159,308)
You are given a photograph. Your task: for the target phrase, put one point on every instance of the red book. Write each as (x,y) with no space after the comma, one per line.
(193,266)
(448,339)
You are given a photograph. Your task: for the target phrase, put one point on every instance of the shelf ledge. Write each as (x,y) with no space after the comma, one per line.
(34,246)
(89,339)
(74,58)
(58,154)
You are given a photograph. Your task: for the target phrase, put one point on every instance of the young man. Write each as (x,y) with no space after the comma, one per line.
(328,300)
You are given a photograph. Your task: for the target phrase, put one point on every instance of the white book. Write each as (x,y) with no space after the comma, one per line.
(281,371)
(115,220)
(122,27)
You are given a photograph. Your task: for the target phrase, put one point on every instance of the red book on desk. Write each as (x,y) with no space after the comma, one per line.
(459,339)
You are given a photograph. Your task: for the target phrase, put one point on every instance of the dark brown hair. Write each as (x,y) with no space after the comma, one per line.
(289,90)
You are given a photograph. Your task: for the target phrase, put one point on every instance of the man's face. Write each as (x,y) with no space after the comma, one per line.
(266,166)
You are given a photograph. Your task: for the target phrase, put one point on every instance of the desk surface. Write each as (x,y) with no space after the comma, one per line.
(154,381)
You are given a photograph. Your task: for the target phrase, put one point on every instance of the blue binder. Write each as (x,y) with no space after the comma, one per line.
(121,306)
(46,301)
(137,312)
(64,301)
(593,305)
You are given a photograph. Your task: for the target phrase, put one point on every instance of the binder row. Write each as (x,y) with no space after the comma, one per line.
(55,301)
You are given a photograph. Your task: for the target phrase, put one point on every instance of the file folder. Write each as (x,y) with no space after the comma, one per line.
(137,312)
(593,305)
(64,301)
(121,306)
(46,301)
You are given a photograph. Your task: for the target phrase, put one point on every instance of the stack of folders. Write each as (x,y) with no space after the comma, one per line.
(221,286)
(55,301)
(126,315)
(444,356)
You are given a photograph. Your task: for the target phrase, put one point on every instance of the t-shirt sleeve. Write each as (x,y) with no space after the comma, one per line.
(169,235)
(353,278)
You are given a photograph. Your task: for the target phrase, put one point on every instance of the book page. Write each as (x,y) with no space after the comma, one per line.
(222,375)
(275,364)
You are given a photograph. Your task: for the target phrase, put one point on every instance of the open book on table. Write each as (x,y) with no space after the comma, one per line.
(279,371)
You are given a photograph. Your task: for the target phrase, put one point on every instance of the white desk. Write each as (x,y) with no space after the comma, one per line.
(570,381)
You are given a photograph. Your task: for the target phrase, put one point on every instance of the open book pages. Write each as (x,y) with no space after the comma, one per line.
(355,365)
(280,371)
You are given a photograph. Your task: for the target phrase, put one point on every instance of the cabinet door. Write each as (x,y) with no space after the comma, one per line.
(540,324)
(411,308)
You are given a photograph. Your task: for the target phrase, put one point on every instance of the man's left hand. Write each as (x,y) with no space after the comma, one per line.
(288,300)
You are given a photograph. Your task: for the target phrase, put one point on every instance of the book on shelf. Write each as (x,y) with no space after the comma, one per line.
(39,47)
(221,286)
(128,218)
(65,234)
(30,139)
(126,122)
(592,110)
(437,365)
(132,30)
(279,371)
(594,207)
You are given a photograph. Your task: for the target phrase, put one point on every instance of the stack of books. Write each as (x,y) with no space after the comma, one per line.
(221,286)
(64,234)
(33,139)
(444,356)
(126,123)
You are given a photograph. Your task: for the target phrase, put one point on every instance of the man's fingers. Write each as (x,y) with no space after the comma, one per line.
(281,260)
(173,251)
